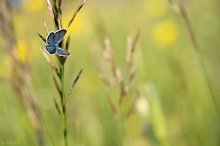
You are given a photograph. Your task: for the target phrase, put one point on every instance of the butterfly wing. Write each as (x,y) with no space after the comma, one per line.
(59,35)
(51,38)
(62,52)
(50,49)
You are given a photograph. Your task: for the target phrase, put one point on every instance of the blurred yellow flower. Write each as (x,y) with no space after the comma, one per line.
(156,8)
(165,33)
(22,51)
(78,26)
(5,71)
(34,5)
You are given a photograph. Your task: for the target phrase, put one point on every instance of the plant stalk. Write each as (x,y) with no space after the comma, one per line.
(63,96)
(198,53)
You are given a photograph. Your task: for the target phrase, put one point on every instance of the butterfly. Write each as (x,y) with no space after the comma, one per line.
(53,40)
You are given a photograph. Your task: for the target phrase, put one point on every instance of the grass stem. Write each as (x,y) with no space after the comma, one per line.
(63,96)
(198,53)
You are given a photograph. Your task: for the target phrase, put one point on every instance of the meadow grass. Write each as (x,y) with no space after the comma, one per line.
(20,80)
(123,93)
(172,105)
(180,7)
(55,9)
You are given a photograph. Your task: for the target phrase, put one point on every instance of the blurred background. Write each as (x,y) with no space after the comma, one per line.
(174,104)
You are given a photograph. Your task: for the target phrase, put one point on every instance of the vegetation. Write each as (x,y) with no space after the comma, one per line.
(140,73)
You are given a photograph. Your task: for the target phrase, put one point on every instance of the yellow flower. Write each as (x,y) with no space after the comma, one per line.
(165,33)
(156,8)
(78,26)
(22,51)
(34,5)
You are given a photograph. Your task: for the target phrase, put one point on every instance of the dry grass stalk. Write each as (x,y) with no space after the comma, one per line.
(108,56)
(20,78)
(131,47)
(180,7)
(117,81)
(107,82)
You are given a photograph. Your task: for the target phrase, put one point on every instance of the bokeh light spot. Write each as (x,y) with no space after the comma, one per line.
(165,33)
(156,8)
(34,6)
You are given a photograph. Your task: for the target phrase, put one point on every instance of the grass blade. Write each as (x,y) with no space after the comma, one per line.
(76,12)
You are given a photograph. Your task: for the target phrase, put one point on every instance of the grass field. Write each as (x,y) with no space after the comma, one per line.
(164,93)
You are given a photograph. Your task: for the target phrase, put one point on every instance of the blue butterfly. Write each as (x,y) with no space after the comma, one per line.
(53,40)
